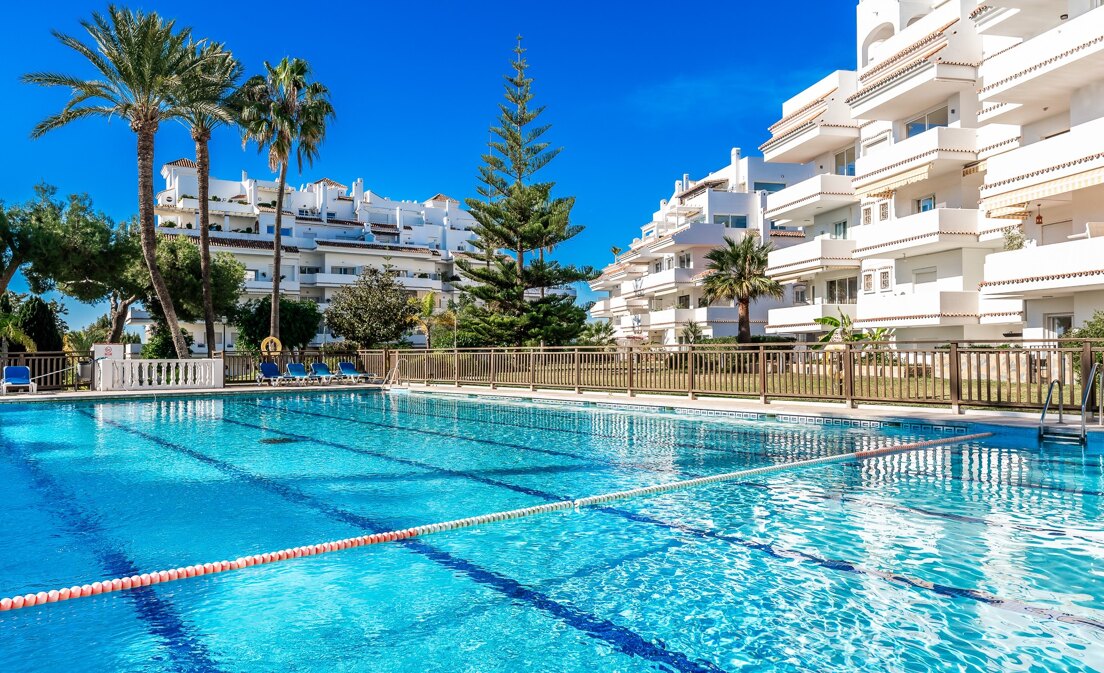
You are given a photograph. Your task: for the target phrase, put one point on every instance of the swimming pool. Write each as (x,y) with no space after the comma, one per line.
(977,556)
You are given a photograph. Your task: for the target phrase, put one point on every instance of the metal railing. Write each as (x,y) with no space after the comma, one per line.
(931,373)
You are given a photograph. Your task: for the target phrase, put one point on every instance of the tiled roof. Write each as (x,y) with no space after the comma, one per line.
(782,233)
(270,209)
(804,108)
(442,197)
(928,39)
(186,163)
(1038,279)
(330,183)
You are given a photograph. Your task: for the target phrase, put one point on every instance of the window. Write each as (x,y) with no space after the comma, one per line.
(284,231)
(926,121)
(683,301)
(1058,325)
(800,294)
(883,280)
(731,221)
(845,162)
(767,186)
(842,290)
(657,267)
(685,260)
(309,269)
(883,211)
(344,270)
(668,262)
(868,215)
(925,276)
(839,230)
(868,281)
(925,203)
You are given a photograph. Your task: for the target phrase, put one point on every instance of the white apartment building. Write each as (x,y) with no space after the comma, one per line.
(963,121)
(331,232)
(655,286)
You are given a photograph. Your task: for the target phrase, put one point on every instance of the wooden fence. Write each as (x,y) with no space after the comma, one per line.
(61,370)
(956,375)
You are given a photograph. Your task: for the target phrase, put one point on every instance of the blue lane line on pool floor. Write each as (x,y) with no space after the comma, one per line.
(623,639)
(775,552)
(157,613)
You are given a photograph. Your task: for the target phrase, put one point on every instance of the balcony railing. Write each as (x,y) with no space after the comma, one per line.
(812,256)
(934,152)
(932,231)
(798,203)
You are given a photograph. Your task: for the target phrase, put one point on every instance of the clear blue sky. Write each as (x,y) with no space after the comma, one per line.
(637,94)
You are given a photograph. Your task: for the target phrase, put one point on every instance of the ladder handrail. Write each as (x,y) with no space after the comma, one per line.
(1046,405)
(1089,384)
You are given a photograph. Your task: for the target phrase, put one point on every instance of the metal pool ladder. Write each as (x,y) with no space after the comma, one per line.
(1054,433)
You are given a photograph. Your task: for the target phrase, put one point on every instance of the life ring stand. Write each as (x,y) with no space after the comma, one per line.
(271,346)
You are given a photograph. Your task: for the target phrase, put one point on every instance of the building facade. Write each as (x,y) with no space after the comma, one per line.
(957,175)
(331,232)
(655,287)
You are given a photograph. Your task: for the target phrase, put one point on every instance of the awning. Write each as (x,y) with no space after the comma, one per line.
(885,187)
(1018,198)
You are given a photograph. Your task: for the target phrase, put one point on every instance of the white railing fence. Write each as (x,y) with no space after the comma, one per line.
(159,374)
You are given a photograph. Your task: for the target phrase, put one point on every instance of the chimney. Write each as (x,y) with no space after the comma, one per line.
(358,189)
(686,181)
(737,178)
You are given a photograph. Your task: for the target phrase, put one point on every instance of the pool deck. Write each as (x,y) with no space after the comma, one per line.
(975,420)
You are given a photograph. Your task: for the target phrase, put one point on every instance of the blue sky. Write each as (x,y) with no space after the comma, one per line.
(637,94)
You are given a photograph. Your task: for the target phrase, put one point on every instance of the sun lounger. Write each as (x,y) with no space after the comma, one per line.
(270,373)
(349,372)
(297,373)
(17,377)
(322,372)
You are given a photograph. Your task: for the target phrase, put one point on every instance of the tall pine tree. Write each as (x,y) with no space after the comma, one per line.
(518,222)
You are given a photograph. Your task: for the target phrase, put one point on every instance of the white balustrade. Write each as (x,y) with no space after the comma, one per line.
(159,374)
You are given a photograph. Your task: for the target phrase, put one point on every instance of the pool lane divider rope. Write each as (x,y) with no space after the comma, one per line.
(200,569)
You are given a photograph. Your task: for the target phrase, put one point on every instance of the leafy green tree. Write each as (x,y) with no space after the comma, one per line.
(517,215)
(299,322)
(372,311)
(161,346)
(426,317)
(738,273)
(692,333)
(206,99)
(81,253)
(139,61)
(42,323)
(284,113)
(178,259)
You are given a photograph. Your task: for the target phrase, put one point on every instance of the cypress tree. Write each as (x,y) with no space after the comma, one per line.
(518,222)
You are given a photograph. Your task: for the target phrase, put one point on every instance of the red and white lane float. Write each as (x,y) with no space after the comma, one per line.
(200,569)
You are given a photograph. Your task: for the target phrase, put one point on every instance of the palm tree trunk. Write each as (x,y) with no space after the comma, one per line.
(274,320)
(149,236)
(743,312)
(203,171)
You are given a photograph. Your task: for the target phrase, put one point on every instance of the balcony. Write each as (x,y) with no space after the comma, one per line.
(622,305)
(1014,18)
(934,308)
(917,68)
(801,318)
(677,317)
(934,152)
(600,309)
(261,285)
(634,322)
(806,259)
(328,279)
(815,121)
(659,283)
(1038,77)
(799,202)
(924,233)
(1046,270)
(1044,170)
(414,282)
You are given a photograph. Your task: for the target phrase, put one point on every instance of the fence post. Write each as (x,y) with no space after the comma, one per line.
(456,366)
(425,368)
(532,370)
(690,370)
(491,372)
(955,375)
(578,372)
(630,382)
(1086,367)
(762,373)
(848,376)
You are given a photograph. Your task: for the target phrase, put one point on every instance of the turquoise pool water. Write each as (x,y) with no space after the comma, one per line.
(976,557)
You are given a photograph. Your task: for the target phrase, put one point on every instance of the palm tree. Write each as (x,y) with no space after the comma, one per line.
(284,113)
(11,332)
(738,272)
(140,61)
(205,101)
(425,319)
(692,333)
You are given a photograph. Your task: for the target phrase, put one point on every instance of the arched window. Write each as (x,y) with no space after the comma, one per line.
(874,41)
